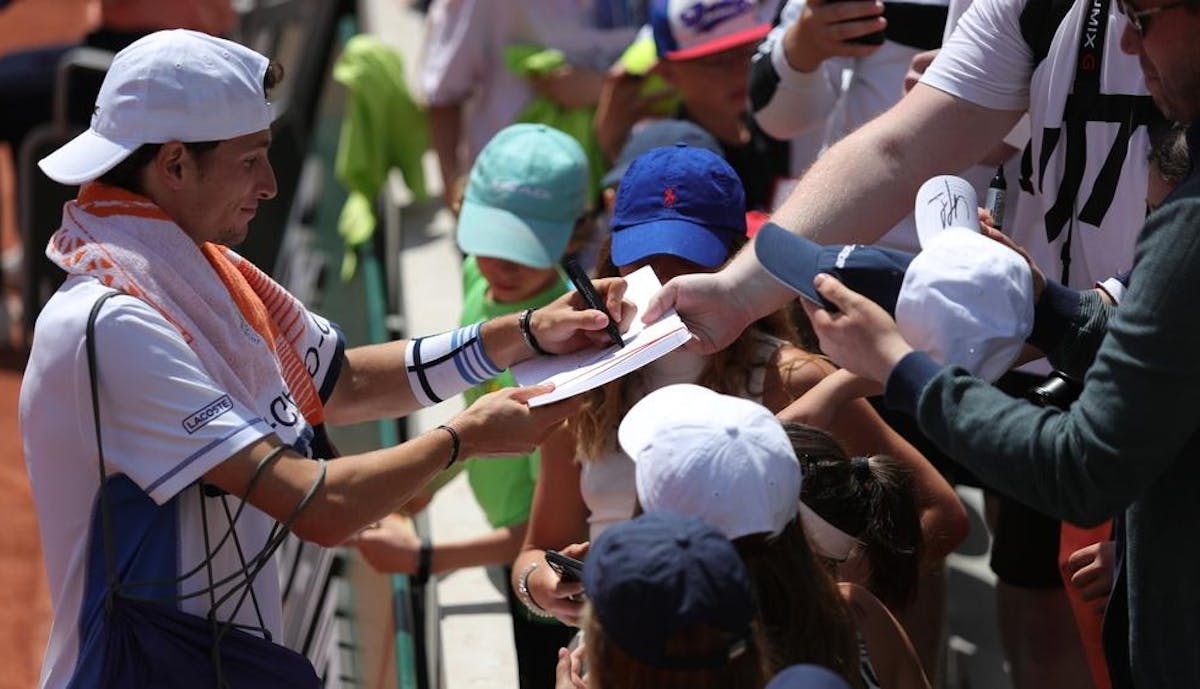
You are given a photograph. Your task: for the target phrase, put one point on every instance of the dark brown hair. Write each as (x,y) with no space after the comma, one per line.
(1169,150)
(728,371)
(871,499)
(127,174)
(609,667)
(804,615)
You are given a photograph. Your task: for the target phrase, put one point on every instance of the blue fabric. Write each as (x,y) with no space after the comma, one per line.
(152,645)
(145,545)
(908,379)
(137,644)
(874,272)
(679,200)
(656,134)
(651,577)
(1053,315)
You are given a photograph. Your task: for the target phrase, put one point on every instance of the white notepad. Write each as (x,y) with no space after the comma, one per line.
(584,370)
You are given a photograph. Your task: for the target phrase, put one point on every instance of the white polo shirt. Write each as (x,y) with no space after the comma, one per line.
(165,423)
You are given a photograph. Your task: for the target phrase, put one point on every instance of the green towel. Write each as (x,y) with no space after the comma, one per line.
(638,59)
(383,128)
(532,60)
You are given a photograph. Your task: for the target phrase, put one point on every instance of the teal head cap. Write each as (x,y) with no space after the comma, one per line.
(527,189)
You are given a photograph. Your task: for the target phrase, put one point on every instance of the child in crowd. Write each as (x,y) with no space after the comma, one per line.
(860,515)
(707,63)
(678,209)
(670,607)
(525,194)
(472,86)
(729,462)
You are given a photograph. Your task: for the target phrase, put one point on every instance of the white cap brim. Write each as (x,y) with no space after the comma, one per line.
(84,158)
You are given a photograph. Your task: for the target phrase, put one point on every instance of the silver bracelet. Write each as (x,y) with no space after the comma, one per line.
(525,596)
(526,329)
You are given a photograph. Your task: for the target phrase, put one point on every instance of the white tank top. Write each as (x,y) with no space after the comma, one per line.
(607,482)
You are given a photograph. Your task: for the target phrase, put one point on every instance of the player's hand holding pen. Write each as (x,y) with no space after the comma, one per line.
(572,322)
(583,285)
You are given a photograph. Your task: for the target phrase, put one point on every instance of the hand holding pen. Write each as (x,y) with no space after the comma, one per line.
(583,284)
(570,322)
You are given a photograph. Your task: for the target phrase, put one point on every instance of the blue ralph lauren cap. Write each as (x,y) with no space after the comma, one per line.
(678,200)
(661,573)
(874,272)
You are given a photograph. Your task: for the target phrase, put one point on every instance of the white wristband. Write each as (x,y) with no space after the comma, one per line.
(444,365)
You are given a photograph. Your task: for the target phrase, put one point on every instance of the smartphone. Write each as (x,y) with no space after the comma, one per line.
(568,568)
(876,38)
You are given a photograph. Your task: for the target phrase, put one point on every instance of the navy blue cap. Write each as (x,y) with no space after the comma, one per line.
(658,133)
(807,677)
(661,573)
(873,272)
(678,200)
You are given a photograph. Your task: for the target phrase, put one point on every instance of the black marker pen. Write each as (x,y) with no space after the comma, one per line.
(996,192)
(584,284)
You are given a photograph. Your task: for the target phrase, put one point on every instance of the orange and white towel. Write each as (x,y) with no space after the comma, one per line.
(242,324)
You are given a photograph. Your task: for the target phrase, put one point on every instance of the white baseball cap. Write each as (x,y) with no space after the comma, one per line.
(176,85)
(724,459)
(967,300)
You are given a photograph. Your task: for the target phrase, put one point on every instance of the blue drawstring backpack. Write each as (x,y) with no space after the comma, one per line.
(147,642)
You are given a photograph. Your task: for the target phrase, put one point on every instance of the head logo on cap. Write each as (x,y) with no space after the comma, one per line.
(526,190)
(698,216)
(687,29)
(705,16)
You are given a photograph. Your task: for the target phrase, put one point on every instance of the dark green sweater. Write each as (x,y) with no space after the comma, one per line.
(1128,448)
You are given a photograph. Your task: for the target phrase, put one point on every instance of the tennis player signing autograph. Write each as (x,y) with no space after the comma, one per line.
(213,385)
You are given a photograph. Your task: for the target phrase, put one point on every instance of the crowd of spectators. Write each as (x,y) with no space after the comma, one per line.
(770,505)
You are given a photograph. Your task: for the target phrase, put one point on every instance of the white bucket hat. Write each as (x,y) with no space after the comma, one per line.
(176,85)
(721,458)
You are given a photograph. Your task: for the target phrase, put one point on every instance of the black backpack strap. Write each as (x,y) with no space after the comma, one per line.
(1039,22)
(1085,94)
(110,568)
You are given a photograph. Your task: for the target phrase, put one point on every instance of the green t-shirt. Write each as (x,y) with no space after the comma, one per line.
(503,487)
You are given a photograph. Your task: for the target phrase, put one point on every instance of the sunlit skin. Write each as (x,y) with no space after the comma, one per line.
(510,282)
(666,266)
(1168,56)
(214,195)
(714,88)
